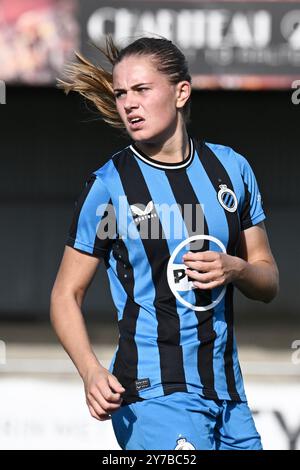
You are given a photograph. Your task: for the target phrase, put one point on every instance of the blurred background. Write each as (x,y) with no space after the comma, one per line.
(245,62)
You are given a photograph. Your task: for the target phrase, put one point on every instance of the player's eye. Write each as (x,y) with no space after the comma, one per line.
(118,94)
(142,89)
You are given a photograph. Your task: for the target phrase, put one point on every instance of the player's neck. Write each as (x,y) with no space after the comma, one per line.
(175,149)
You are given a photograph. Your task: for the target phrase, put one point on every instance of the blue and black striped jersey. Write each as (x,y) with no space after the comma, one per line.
(141,216)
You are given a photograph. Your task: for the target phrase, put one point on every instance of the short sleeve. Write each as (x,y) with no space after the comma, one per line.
(93,226)
(251,208)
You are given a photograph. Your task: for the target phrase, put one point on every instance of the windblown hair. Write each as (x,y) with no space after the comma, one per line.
(96,84)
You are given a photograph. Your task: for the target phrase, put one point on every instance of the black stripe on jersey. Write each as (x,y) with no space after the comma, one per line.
(184,194)
(168,329)
(218,175)
(229,344)
(126,360)
(246,221)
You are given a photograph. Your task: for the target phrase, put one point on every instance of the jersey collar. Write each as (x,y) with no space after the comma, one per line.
(165,165)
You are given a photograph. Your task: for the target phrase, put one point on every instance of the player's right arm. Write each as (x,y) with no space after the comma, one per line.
(103,390)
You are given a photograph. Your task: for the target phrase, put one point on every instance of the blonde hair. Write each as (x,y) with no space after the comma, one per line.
(96,84)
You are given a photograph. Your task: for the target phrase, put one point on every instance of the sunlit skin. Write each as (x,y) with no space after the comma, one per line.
(141,90)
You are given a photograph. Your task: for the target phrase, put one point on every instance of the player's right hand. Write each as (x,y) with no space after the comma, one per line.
(103,392)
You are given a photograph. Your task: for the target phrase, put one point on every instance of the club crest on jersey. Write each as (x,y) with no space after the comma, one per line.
(183,444)
(227,198)
(142,214)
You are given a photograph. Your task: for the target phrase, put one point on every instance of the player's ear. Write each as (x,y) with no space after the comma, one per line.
(183,92)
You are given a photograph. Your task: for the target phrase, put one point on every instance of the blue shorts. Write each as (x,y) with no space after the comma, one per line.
(185,421)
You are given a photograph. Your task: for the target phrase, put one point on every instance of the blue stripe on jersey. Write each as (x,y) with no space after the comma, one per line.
(217,225)
(85,233)
(161,193)
(142,276)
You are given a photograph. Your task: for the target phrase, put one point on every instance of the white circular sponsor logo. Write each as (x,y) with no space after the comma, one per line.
(178,280)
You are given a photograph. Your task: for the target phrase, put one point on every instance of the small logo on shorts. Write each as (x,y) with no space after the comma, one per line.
(183,444)
(141,384)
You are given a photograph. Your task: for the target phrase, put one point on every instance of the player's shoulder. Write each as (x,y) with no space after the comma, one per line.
(108,168)
(228,155)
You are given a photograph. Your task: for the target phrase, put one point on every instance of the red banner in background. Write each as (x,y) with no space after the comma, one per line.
(36,38)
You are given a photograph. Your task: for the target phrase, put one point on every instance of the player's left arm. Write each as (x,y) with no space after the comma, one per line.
(258,276)
(253,271)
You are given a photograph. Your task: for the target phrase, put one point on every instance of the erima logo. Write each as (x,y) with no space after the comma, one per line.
(141,384)
(183,444)
(142,214)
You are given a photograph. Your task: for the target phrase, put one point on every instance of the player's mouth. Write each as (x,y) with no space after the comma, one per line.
(136,122)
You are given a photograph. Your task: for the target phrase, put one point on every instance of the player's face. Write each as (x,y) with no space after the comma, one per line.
(145,99)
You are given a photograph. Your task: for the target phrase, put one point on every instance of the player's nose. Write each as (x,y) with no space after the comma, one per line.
(130,102)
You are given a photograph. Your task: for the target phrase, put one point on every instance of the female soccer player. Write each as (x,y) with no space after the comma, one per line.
(178,223)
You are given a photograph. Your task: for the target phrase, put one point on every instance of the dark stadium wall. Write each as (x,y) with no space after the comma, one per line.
(49,145)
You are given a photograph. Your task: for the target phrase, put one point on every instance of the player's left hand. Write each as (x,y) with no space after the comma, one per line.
(212,269)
